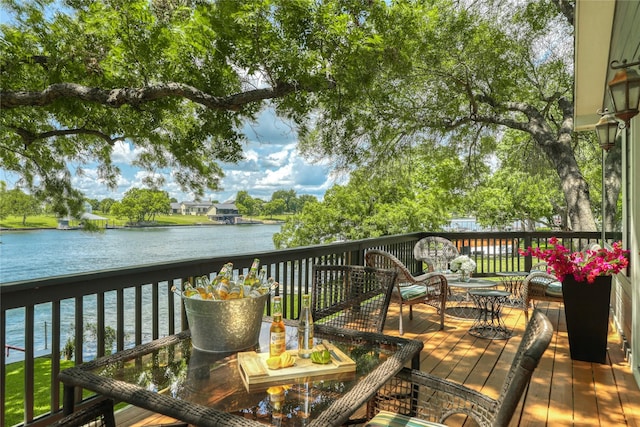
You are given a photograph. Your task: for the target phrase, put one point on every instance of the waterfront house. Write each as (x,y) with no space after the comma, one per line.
(224,212)
(195,208)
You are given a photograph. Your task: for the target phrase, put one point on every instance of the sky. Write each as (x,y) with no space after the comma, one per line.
(272,162)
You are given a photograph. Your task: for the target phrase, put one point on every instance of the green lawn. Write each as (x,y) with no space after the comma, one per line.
(14,404)
(40,221)
(50,221)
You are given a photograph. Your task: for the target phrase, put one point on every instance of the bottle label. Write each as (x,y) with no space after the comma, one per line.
(277,343)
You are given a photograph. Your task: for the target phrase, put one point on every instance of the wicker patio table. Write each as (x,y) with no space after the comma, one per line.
(170,377)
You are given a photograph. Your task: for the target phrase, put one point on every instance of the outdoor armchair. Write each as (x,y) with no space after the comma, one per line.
(413,394)
(351,296)
(436,252)
(540,286)
(429,288)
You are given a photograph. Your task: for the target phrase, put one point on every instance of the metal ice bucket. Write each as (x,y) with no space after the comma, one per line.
(225,326)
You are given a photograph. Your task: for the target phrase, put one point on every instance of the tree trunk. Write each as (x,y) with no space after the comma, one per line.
(612,184)
(558,149)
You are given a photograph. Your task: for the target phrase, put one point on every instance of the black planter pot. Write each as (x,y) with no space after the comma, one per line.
(586,308)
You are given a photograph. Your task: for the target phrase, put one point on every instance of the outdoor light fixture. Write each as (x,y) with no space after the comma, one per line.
(624,89)
(607,129)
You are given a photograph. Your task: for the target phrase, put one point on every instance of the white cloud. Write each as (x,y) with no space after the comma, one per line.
(123,152)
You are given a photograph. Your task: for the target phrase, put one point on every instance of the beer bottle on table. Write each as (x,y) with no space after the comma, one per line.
(277,331)
(305,328)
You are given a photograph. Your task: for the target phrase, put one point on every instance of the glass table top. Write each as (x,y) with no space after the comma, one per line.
(173,368)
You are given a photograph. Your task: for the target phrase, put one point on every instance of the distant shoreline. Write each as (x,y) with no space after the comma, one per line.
(195,224)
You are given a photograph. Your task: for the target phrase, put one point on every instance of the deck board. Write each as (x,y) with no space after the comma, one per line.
(562,392)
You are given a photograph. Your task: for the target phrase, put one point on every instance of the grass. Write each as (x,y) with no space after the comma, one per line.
(51,221)
(14,405)
(39,221)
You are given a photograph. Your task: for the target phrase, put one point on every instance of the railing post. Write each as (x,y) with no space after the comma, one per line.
(527,259)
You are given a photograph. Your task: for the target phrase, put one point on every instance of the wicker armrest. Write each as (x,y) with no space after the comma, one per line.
(96,414)
(433,279)
(536,283)
(421,395)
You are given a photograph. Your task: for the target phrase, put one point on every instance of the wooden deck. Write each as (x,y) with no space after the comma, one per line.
(562,392)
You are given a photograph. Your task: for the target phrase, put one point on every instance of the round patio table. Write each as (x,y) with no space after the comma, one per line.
(459,303)
(489,324)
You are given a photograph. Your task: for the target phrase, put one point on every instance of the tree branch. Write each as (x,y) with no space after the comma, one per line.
(136,96)
(29,137)
(567,8)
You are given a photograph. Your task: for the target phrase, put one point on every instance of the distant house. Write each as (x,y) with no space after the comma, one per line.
(176,208)
(224,212)
(195,208)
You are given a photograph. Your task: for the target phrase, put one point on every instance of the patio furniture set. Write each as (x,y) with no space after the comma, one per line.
(349,306)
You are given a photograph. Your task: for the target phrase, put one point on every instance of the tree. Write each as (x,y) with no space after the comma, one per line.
(142,205)
(302,201)
(246,204)
(95,203)
(274,207)
(105,205)
(288,197)
(4,209)
(177,79)
(469,70)
(359,79)
(16,202)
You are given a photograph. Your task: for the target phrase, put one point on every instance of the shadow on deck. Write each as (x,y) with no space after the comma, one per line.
(562,392)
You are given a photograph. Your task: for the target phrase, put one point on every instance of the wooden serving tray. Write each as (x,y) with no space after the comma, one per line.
(253,367)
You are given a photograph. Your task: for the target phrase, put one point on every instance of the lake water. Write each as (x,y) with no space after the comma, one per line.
(34,254)
(45,253)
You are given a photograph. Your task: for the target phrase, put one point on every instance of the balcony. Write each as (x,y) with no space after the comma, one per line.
(137,305)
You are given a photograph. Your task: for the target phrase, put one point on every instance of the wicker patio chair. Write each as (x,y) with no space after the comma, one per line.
(540,286)
(429,288)
(351,296)
(436,252)
(417,394)
(96,415)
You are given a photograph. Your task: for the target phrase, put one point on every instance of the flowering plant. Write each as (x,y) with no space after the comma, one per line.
(583,266)
(462,263)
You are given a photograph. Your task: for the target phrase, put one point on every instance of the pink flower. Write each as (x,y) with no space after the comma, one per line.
(582,265)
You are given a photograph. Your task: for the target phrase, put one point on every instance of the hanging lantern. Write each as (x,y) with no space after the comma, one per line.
(607,131)
(624,89)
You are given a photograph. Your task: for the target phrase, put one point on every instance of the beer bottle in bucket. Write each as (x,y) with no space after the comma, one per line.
(221,282)
(236,288)
(252,277)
